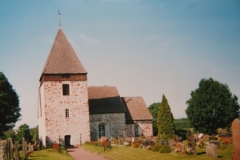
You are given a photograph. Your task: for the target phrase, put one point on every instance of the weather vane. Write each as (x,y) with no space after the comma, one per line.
(59,20)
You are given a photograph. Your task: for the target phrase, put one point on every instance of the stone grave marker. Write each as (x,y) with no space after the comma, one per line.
(211,151)
(170,144)
(162,142)
(236,139)
(191,141)
(16,154)
(216,142)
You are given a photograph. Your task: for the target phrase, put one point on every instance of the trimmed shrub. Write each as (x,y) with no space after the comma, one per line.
(156,147)
(165,149)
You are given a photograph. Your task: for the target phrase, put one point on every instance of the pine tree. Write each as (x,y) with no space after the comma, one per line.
(9,105)
(165,120)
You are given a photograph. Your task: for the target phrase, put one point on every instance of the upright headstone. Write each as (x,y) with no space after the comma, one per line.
(24,147)
(10,148)
(3,147)
(16,154)
(124,136)
(211,151)
(236,139)
(170,144)
(191,141)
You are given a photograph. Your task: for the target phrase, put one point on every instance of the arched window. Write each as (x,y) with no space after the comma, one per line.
(136,133)
(101,130)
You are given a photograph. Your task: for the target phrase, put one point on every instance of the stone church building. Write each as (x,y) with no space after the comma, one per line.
(70,112)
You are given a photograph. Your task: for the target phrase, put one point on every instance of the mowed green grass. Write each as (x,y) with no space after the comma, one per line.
(126,153)
(49,154)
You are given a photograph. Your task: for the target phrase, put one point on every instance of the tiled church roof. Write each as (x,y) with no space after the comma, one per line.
(136,109)
(104,100)
(97,92)
(62,59)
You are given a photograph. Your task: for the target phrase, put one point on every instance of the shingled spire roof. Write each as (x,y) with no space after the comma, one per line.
(62,59)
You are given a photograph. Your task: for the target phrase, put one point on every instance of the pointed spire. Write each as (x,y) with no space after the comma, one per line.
(62,59)
(59,19)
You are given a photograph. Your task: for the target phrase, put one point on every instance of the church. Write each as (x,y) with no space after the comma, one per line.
(70,112)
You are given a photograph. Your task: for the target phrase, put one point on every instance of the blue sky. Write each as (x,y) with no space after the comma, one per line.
(143,47)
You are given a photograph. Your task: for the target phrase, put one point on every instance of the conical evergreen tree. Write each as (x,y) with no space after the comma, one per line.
(165,121)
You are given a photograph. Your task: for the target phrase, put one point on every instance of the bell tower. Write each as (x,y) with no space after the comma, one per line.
(63,112)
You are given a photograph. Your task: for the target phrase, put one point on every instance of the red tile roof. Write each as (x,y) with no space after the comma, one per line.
(62,59)
(136,109)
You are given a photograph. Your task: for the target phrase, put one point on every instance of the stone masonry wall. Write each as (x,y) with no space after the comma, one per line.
(114,124)
(145,128)
(55,103)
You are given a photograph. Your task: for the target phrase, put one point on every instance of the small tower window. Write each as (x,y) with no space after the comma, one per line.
(65,89)
(67,113)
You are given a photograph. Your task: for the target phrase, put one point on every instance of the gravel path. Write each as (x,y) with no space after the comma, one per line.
(81,154)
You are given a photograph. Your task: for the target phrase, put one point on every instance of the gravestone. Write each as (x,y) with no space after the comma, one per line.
(211,151)
(216,142)
(162,142)
(191,141)
(170,144)
(16,154)
(24,147)
(236,139)
(3,148)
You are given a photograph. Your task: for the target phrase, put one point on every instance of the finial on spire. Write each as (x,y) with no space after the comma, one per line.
(59,19)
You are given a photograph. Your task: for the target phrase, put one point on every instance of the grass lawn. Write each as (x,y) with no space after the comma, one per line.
(49,154)
(124,153)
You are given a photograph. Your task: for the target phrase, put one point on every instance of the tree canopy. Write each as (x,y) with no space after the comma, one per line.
(212,106)
(9,105)
(23,131)
(165,121)
(154,108)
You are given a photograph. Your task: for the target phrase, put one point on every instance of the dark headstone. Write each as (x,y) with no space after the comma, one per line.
(191,141)
(236,139)
(162,142)
(211,151)
(216,142)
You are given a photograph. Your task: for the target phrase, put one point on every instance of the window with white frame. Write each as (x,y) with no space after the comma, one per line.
(101,130)
(136,132)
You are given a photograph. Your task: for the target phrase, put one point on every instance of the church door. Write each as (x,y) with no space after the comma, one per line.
(67,140)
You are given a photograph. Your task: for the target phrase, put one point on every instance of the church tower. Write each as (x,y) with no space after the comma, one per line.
(63,111)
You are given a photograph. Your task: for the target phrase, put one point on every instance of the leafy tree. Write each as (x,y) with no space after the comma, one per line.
(182,123)
(154,108)
(34,133)
(212,106)
(9,105)
(23,131)
(165,121)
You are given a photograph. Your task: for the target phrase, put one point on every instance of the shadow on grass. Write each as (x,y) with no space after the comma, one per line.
(70,148)
(36,157)
(200,153)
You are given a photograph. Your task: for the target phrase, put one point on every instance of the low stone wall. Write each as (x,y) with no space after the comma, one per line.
(8,151)
(3,147)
